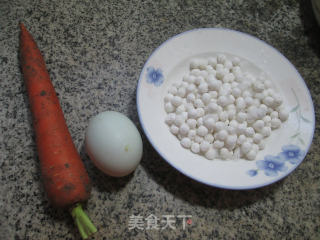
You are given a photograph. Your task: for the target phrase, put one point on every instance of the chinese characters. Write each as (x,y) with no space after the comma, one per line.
(153,222)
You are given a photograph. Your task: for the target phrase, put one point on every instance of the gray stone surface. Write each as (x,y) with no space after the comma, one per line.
(94,52)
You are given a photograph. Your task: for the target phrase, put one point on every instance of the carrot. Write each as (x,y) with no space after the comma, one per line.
(66,181)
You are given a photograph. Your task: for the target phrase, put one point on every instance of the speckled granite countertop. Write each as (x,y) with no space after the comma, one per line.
(95,51)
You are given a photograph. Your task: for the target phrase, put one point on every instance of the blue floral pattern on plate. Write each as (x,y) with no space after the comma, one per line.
(252,172)
(291,153)
(155,76)
(272,165)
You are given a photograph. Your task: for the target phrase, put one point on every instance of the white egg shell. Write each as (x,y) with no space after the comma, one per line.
(113,143)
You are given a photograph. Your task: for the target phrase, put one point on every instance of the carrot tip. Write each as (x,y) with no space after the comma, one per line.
(22,27)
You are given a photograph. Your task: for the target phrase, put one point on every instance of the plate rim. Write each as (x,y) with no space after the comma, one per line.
(255,186)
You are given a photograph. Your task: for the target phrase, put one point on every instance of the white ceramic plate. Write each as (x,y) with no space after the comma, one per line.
(285,148)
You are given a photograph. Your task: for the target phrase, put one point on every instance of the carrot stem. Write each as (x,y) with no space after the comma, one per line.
(83,222)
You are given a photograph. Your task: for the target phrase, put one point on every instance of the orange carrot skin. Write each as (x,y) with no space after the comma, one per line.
(65,178)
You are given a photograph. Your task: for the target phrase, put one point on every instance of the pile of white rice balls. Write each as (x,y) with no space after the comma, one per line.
(222,112)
